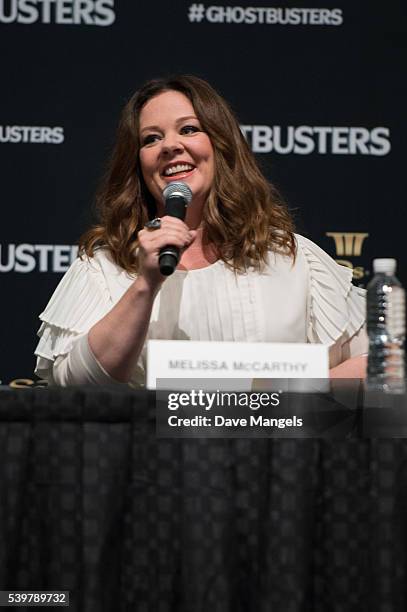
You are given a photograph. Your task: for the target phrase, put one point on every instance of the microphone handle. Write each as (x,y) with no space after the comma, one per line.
(169,255)
(168,259)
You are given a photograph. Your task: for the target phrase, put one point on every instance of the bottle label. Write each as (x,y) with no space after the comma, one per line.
(395,312)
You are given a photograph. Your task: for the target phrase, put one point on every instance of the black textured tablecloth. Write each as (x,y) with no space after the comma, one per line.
(93,503)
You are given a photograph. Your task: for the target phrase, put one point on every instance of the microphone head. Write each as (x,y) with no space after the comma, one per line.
(178,189)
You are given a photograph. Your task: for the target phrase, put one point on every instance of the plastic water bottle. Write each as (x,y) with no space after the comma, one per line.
(386,329)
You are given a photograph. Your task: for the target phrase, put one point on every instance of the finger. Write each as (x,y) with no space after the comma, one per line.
(169,229)
(168,221)
(154,241)
(177,239)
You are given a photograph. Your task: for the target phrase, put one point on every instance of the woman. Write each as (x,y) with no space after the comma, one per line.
(242,276)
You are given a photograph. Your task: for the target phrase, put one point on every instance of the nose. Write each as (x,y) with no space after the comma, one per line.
(172,143)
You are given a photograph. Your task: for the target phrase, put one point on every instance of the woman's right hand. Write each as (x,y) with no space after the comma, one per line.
(172,232)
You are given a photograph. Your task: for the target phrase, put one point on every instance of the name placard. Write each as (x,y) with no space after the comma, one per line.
(180,359)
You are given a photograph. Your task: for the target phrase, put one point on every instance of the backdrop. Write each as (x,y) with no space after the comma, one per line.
(320,94)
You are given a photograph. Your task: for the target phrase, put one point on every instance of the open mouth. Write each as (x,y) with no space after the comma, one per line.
(178,170)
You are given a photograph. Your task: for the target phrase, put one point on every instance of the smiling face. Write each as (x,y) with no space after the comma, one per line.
(173,147)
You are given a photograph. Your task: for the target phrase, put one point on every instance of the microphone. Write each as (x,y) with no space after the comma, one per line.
(177,196)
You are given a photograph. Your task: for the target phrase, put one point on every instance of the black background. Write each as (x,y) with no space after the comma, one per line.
(79,76)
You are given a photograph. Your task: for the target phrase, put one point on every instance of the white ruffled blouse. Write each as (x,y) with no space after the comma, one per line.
(312,300)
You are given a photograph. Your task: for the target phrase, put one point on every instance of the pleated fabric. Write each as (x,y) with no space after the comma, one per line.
(309,300)
(337,308)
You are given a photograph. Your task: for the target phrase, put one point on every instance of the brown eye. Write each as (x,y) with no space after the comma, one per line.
(149,139)
(190,129)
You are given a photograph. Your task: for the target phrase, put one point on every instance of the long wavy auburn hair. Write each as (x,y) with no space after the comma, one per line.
(244,217)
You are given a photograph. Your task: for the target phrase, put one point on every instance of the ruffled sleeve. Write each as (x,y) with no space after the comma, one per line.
(80,300)
(336,308)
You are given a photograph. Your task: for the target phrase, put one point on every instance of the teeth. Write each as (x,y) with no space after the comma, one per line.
(178,168)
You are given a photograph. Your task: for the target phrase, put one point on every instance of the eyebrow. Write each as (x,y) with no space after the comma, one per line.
(179,120)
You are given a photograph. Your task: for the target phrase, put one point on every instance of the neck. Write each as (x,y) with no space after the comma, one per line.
(199,254)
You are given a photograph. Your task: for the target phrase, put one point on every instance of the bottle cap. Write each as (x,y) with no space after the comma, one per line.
(388,266)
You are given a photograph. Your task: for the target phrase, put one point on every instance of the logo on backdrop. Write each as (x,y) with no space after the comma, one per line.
(26,383)
(198,12)
(36,257)
(349,244)
(325,140)
(31,134)
(61,12)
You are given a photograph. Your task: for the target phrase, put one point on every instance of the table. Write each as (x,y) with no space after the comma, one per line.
(93,503)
